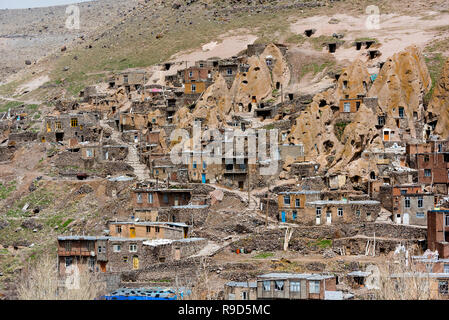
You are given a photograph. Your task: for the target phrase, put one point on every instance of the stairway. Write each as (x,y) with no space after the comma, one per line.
(140,169)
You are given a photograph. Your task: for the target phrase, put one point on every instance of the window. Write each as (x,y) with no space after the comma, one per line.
(404,191)
(165,198)
(287,200)
(139,198)
(318,212)
(314,286)
(340,212)
(125,78)
(357,213)
(58,125)
(381,120)
(347,107)
(426,158)
(244,295)
(89,153)
(446,157)
(279,285)
(295,286)
(446,268)
(133,247)
(148,229)
(297,203)
(125,259)
(150,197)
(90,246)
(68,261)
(116,248)
(446,220)
(74,122)
(266,286)
(118,229)
(191,74)
(68,246)
(420,215)
(420,202)
(407,202)
(229,72)
(345,84)
(294,214)
(442,287)
(194,164)
(204,165)
(92,263)
(401,112)
(193,87)
(427,172)
(48,127)
(157,229)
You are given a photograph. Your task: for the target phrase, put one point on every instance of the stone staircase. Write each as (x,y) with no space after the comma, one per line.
(140,170)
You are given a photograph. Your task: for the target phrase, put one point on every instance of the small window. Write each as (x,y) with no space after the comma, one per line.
(407,202)
(279,285)
(100,249)
(204,165)
(139,198)
(443,287)
(381,120)
(157,229)
(287,200)
(117,248)
(297,203)
(318,212)
(125,259)
(92,263)
(229,72)
(68,246)
(426,158)
(74,122)
(191,74)
(340,212)
(294,214)
(148,229)
(165,198)
(420,202)
(68,261)
(401,112)
(194,164)
(347,107)
(404,191)
(193,87)
(427,172)
(58,125)
(150,197)
(118,229)
(446,157)
(266,285)
(357,213)
(295,286)
(420,215)
(314,286)
(133,247)
(446,268)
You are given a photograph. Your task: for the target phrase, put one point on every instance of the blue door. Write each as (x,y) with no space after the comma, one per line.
(294,215)
(283,216)
(203,178)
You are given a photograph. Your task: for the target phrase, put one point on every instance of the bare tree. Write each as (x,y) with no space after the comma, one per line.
(40,282)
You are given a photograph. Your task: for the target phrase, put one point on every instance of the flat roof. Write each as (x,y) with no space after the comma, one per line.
(308,276)
(251,284)
(301,192)
(338,202)
(147,223)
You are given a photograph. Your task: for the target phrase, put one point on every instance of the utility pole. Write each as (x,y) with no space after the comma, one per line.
(266,213)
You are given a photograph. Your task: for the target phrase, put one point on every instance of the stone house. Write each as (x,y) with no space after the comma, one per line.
(408,203)
(291,286)
(79,126)
(148,230)
(241,290)
(290,202)
(339,211)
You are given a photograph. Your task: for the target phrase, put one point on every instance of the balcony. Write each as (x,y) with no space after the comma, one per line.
(76,252)
(236,170)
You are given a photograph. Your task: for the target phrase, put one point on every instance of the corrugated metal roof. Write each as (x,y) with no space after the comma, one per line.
(252,284)
(337,202)
(308,276)
(359,274)
(301,192)
(191,206)
(148,223)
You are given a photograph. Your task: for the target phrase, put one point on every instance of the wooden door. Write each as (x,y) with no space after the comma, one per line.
(135,262)
(132,232)
(103,266)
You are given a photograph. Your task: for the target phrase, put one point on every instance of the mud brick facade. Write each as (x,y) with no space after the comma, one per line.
(78,126)
(291,202)
(294,286)
(438,232)
(144,197)
(148,230)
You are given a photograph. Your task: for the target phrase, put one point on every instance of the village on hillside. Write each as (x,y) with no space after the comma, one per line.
(222,179)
